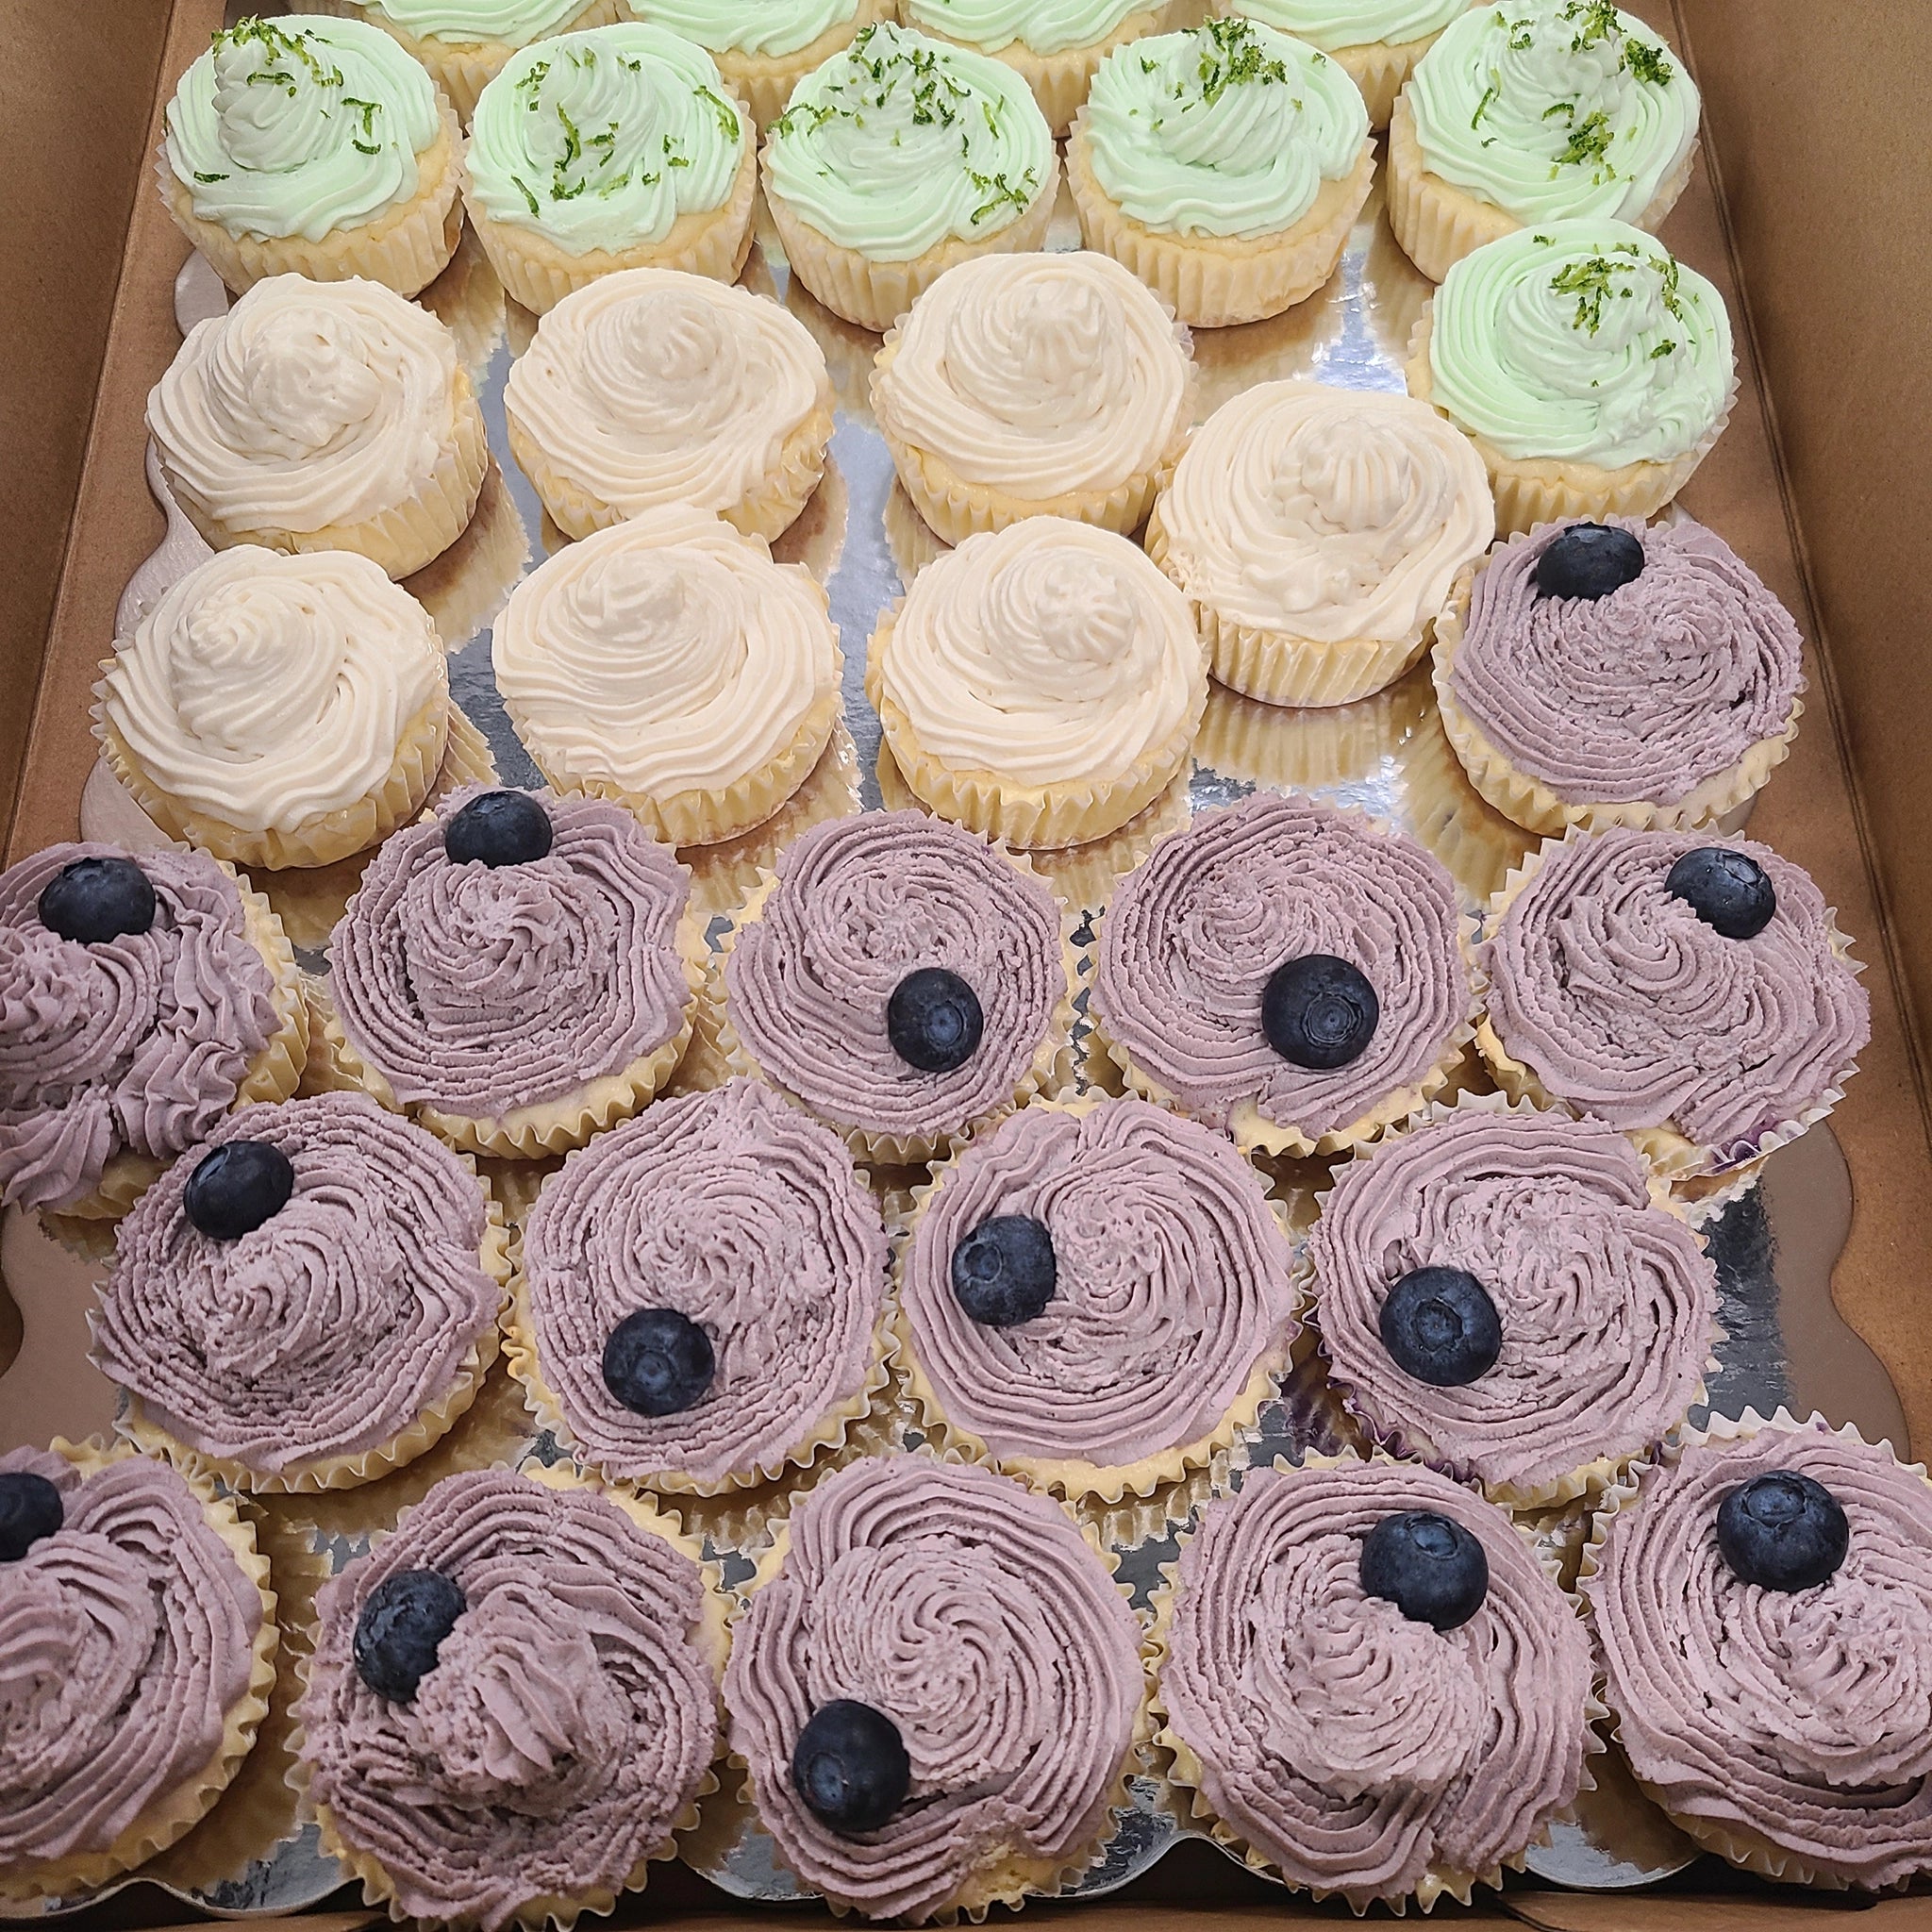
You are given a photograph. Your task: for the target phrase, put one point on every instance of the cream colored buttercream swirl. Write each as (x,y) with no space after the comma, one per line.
(1606,1301)
(976,1618)
(1325,513)
(125,1638)
(744,1215)
(665,655)
(264,689)
(475,22)
(1038,375)
(654,386)
(1048,651)
(1797,1716)
(1354,1748)
(307,405)
(1170,1285)
(568,1723)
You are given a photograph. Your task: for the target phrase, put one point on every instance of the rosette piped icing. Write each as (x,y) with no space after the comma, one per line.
(1612,992)
(1128,1322)
(306,1299)
(1504,1293)
(1362,1729)
(513,999)
(1287,971)
(902,979)
(700,1293)
(512,1702)
(123,1042)
(136,1647)
(950,1642)
(1664,693)
(1762,1604)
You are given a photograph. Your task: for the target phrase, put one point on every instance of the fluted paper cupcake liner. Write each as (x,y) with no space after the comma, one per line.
(1528,802)
(1209,281)
(1438,224)
(465,589)
(405,247)
(874,294)
(1380,68)
(463,69)
(171,1814)
(711,241)
(1550,489)
(766,80)
(1316,750)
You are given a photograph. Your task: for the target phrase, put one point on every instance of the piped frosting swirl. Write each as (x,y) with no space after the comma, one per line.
(1041,26)
(977,1619)
(499,23)
(773,27)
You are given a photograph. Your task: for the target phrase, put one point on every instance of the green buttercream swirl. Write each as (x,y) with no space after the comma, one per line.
(901,142)
(601,139)
(507,22)
(298,125)
(773,27)
(1047,26)
(1553,107)
(1332,23)
(1582,341)
(1229,129)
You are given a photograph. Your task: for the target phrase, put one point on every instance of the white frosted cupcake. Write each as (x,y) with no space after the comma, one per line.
(1034,385)
(766,50)
(1319,534)
(278,711)
(464,43)
(654,386)
(323,416)
(317,147)
(670,664)
(1378,40)
(666,180)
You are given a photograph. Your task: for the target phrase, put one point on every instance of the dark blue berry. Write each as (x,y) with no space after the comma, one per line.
(1588,560)
(401,1628)
(29,1509)
(1004,1270)
(94,900)
(498,828)
(1440,1325)
(1318,1011)
(850,1766)
(238,1186)
(1726,889)
(657,1362)
(1783,1531)
(934,1021)
(1428,1566)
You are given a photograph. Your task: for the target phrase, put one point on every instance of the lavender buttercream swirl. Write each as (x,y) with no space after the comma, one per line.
(1641,694)
(1170,1285)
(125,1638)
(477,988)
(1626,1005)
(1354,1748)
(1606,1301)
(744,1215)
(975,1617)
(861,902)
(1194,934)
(135,1044)
(566,1727)
(326,1331)
(1797,1716)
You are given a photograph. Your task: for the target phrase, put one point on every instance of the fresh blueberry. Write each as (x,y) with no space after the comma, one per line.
(1783,1531)
(934,1021)
(1726,889)
(1428,1566)
(658,1363)
(94,900)
(499,828)
(1004,1270)
(238,1186)
(403,1621)
(29,1509)
(1588,560)
(1318,1011)
(850,1766)
(1441,1327)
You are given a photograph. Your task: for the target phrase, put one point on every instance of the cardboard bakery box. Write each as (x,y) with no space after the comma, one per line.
(1809,211)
